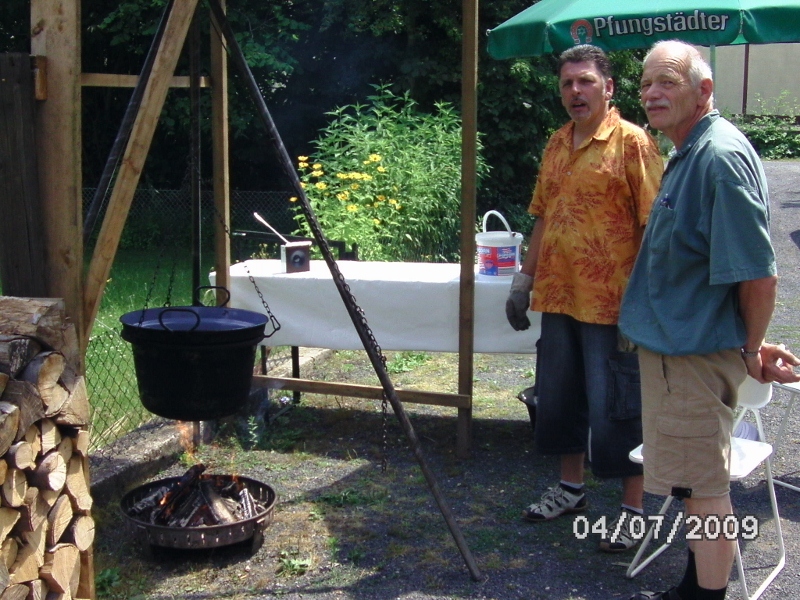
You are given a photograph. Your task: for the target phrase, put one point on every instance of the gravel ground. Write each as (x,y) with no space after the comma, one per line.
(395,544)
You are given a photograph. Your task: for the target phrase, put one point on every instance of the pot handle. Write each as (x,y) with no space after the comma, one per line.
(214,287)
(178,309)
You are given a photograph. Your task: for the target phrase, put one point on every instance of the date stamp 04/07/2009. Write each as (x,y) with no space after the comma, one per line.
(709,527)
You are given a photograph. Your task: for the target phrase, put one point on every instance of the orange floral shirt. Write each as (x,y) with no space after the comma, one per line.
(592,199)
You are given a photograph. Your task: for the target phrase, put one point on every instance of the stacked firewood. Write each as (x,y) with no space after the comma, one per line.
(46,529)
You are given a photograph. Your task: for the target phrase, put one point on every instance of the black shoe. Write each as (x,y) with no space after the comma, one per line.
(670,594)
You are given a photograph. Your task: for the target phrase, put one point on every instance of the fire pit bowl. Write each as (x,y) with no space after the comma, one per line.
(209,536)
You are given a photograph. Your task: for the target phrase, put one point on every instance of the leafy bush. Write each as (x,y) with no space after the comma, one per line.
(773,131)
(388,178)
(772,137)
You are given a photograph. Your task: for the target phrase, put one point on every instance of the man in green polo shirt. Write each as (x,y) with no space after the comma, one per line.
(698,304)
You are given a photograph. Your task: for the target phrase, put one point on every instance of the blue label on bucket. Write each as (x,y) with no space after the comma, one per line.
(497,260)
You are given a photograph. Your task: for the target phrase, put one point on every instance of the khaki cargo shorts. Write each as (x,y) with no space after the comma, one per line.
(687,417)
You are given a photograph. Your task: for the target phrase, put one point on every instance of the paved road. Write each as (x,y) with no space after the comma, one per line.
(784,187)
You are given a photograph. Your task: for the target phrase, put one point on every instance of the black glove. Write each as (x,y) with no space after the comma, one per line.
(519,301)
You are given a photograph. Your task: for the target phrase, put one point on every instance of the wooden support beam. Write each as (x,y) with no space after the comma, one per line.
(135,154)
(220,160)
(130,81)
(55,34)
(352,390)
(469,141)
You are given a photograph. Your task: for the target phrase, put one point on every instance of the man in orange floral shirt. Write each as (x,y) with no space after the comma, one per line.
(597,182)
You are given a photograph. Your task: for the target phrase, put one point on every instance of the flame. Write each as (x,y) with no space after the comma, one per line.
(186,433)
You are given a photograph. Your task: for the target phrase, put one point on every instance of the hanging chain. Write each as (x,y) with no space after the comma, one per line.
(273,321)
(361,323)
(152,286)
(170,284)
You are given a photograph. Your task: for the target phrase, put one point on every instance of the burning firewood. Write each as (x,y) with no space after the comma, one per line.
(172,498)
(216,503)
(197,500)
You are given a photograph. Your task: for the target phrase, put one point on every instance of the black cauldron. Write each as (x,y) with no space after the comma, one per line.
(193,363)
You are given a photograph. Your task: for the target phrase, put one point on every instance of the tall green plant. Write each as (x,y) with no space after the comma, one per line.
(387,177)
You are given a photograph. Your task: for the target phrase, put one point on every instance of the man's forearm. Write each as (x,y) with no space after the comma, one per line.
(532,255)
(756,303)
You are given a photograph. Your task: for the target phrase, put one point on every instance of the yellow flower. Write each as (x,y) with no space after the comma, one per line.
(352,208)
(342,176)
(302,158)
(392,201)
(317,166)
(366,162)
(345,195)
(303,165)
(375,205)
(321,185)
(381,197)
(303,184)
(354,186)
(293,199)
(374,157)
(366,177)
(397,207)
(381,169)
(317,173)
(376,221)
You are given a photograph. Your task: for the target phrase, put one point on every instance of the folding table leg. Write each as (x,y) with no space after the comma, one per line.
(635,568)
(782,431)
(781,547)
(296,371)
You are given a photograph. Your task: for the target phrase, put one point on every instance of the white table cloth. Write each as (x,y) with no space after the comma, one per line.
(409,306)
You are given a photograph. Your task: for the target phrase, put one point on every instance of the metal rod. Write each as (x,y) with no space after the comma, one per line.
(370,345)
(124,129)
(271,228)
(194,175)
(745,77)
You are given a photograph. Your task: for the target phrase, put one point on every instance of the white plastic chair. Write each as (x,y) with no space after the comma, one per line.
(746,455)
(794,392)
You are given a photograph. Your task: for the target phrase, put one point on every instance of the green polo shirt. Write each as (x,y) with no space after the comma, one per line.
(708,230)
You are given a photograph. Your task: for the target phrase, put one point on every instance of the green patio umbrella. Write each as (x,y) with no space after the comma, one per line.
(555,25)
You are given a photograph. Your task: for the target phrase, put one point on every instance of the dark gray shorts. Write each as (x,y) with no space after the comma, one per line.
(586,384)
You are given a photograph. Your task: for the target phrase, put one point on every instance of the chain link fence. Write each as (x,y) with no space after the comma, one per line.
(159,216)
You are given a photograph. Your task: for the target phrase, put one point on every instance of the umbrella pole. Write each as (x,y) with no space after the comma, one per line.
(713,54)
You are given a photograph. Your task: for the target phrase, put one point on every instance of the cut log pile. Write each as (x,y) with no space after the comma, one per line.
(46,528)
(197,500)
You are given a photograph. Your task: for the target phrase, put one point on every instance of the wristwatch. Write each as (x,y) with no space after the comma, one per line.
(747,354)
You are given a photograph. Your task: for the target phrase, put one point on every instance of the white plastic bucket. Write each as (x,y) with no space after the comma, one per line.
(498,251)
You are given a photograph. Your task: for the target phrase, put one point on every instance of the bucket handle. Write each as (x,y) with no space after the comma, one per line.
(178,309)
(499,216)
(213,287)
